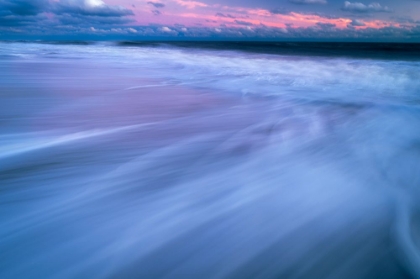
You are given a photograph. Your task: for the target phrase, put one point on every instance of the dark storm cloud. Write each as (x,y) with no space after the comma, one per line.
(30,15)
(76,7)
(22,7)
(72,17)
(87,21)
(246,32)
(80,7)
(18,13)
(156,4)
(235,20)
(17,20)
(79,14)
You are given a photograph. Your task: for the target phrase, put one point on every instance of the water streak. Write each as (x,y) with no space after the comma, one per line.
(171,162)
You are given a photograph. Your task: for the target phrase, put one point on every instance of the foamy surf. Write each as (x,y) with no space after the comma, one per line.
(166,162)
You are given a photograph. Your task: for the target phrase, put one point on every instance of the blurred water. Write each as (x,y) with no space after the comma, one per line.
(165,162)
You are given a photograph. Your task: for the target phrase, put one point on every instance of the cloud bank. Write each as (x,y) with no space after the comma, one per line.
(357,7)
(204,19)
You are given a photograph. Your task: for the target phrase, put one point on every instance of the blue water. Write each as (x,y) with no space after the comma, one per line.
(174,162)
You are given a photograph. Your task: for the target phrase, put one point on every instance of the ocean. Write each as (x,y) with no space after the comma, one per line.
(209,160)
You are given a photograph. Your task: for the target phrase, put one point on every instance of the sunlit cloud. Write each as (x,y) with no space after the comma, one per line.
(190,4)
(202,18)
(216,16)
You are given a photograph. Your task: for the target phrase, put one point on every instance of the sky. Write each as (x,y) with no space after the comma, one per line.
(331,20)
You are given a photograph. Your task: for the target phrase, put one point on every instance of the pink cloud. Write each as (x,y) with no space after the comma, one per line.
(190,4)
(196,13)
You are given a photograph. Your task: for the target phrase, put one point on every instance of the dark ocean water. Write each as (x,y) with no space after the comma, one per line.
(209,160)
(387,51)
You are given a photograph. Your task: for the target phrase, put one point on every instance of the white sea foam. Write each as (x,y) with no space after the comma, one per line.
(143,162)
